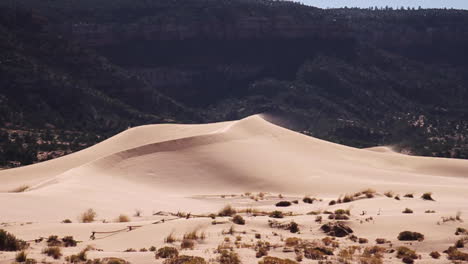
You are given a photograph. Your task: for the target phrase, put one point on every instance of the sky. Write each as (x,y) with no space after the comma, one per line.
(457,4)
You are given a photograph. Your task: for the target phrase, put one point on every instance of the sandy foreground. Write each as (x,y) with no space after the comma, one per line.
(165,172)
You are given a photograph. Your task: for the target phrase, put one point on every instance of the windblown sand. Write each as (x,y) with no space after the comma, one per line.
(161,170)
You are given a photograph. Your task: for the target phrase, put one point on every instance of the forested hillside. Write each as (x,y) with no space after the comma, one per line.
(353,76)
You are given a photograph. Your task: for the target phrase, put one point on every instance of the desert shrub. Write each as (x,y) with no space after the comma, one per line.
(76,258)
(338,217)
(53,252)
(130,250)
(275,260)
(8,242)
(461,231)
(317,253)
(170,238)
(435,254)
(295,201)
(112,260)
(194,235)
(332,202)
(227,211)
(342,211)
(138,213)
(237,219)
(406,252)
(167,252)
(308,200)
(53,241)
(380,241)
(261,251)
(409,195)
(292,241)
(389,194)
(348,198)
(228,257)
(427,196)
(69,241)
(363,240)
(67,221)
(258,236)
(21,256)
(336,229)
(183,259)
(276,214)
(123,218)
(407,211)
(455,254)
(152,248)
(88,216)
(293,227)
(407,260)
(283,204)
(460,243)
(429,211)
(410,236)
(187,244)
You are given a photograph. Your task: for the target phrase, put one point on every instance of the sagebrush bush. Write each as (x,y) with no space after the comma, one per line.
(88,216)
(406,252)
(21,256)
(53,252)
(410,236)
(228,257)
(427,196)
(435,254)
(77,258)
(292,241)
(187,244)
(183,259)
(227,211)
(275,260)
(455,254)
(8,242)
(167,252)
(276,214)
(283,204)
(407,211)
(237,219)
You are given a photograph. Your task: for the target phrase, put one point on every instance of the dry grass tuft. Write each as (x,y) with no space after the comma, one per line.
(275,260)
(195,235)
(53,252)
(167,252)
(88,216)
(187,244)
(183,259)
(227,211)
(123,219)
(170,238)
(389,194)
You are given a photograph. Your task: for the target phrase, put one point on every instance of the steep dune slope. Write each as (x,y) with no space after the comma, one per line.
(164,167)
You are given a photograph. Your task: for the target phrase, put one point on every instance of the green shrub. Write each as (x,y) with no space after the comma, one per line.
(8,242)
(410,236)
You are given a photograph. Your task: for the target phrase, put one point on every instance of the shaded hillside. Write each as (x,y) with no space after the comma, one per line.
(353,76)
(49,82)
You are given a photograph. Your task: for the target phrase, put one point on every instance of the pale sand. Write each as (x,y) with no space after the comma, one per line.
(187,167)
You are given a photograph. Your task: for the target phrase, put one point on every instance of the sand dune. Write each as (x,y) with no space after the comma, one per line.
(179,167)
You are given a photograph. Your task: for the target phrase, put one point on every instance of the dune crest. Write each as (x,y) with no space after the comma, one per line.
(162,166)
